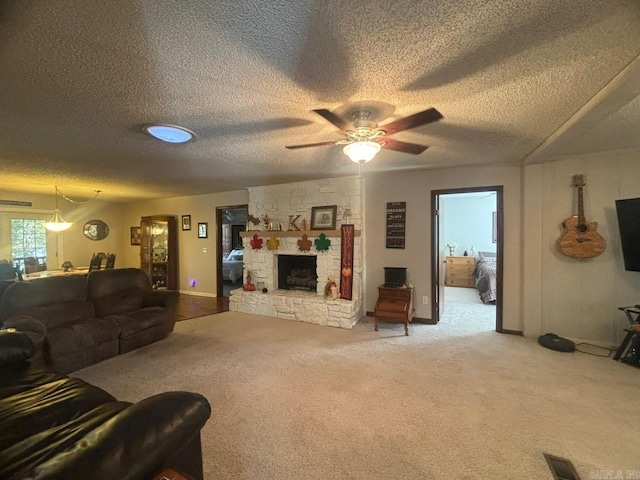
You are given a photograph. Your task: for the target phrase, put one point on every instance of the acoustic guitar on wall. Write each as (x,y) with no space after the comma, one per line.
(580,239)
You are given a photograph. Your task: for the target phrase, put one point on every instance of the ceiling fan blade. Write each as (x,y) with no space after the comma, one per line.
(332,118)
(405,147)
(415,120)
(293,147)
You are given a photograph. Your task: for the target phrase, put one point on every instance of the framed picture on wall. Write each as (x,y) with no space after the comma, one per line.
(186,222)
(203,230)
(323,218)
(135,235)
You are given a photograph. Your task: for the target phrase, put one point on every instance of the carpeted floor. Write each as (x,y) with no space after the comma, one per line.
(298,401)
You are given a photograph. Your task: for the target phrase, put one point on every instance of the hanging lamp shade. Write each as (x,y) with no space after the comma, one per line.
(57,223)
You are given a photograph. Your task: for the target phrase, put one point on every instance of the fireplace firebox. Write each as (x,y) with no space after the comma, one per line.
(297,272)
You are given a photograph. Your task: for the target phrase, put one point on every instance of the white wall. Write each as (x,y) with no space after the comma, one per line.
(468,221)
(194,263)
(414,187)
(575,298)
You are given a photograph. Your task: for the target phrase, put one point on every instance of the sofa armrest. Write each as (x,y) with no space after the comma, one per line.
(15,347)
(135,443)
(161,298)
(30,326)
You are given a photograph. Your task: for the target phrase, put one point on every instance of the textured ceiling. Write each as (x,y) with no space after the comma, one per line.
(79,79)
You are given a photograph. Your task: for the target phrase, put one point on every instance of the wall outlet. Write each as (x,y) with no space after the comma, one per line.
(425,300)
(193,283)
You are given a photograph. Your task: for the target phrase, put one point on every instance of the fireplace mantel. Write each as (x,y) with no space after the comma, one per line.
(295,233)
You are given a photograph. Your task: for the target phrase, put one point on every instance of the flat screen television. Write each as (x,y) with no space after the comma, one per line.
(629,223)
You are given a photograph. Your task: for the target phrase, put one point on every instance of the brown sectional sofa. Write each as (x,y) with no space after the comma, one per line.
(91,318)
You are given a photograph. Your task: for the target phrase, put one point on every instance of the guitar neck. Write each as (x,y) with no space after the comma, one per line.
(581,219)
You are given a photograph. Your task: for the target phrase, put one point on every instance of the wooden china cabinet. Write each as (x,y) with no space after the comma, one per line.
(158,250)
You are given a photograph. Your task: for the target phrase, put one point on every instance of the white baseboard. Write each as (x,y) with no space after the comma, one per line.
(197,294)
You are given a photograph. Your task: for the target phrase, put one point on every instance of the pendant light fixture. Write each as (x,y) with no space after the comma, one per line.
(57,223)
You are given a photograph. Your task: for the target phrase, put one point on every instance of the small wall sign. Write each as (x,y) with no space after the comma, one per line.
(396,221)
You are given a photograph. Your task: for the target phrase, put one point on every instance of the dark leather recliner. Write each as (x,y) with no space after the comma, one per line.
(53,427)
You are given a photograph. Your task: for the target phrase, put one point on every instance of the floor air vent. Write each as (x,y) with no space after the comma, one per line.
(561,468)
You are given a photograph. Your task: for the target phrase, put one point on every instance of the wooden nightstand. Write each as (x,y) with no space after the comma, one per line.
(394,305)
(460,272)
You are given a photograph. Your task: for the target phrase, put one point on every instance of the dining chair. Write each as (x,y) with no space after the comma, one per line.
(111,260)
(96,262)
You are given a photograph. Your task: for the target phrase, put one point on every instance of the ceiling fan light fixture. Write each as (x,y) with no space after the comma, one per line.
(361,152)
(169,133)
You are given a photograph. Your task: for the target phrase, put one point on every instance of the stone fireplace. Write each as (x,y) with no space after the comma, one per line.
(304,303)
(297,272)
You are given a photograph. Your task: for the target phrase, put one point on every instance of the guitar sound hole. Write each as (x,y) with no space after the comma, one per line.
(581,229)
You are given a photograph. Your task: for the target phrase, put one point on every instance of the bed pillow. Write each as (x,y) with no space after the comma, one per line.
(488,257)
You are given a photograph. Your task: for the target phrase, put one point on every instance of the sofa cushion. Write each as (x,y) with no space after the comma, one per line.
(114,304)
(45,406)
(20,377)
(54,300)
(81,334)
(19,459)
(117,291)
(141,320)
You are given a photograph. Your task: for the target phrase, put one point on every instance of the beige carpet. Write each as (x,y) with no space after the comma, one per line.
(298,401)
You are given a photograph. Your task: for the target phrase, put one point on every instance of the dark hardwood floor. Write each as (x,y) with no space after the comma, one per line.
(193,306)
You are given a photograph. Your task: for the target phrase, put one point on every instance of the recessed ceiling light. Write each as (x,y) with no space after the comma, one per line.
(169,133)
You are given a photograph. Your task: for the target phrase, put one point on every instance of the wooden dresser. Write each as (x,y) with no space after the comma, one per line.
(394,305)
(460,272)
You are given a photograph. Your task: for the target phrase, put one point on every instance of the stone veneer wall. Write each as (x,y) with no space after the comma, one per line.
(280,201)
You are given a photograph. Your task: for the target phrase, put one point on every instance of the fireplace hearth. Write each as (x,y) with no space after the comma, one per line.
(297,272)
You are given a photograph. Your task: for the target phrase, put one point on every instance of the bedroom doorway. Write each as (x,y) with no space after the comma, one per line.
(231,221)
(466,256)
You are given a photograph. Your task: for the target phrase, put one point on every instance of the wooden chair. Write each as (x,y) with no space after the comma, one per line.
(111,260)
(96,262)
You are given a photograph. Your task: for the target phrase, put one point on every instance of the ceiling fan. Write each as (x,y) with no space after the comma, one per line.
(367,138)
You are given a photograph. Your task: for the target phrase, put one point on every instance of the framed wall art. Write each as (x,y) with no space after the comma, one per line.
(135,235)
(323,218)
(203,229)
(186,222)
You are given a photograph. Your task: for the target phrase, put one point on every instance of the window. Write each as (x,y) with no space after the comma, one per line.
(28,239)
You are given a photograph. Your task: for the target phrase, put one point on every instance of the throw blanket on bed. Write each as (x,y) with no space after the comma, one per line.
(486,281)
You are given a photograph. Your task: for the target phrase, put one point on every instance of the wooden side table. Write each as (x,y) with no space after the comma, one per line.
(394,305)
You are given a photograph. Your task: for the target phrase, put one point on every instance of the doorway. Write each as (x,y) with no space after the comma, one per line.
(231,221)
(467,255)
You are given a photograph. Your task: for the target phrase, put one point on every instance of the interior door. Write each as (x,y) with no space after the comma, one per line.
(438,265)
(437,262)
